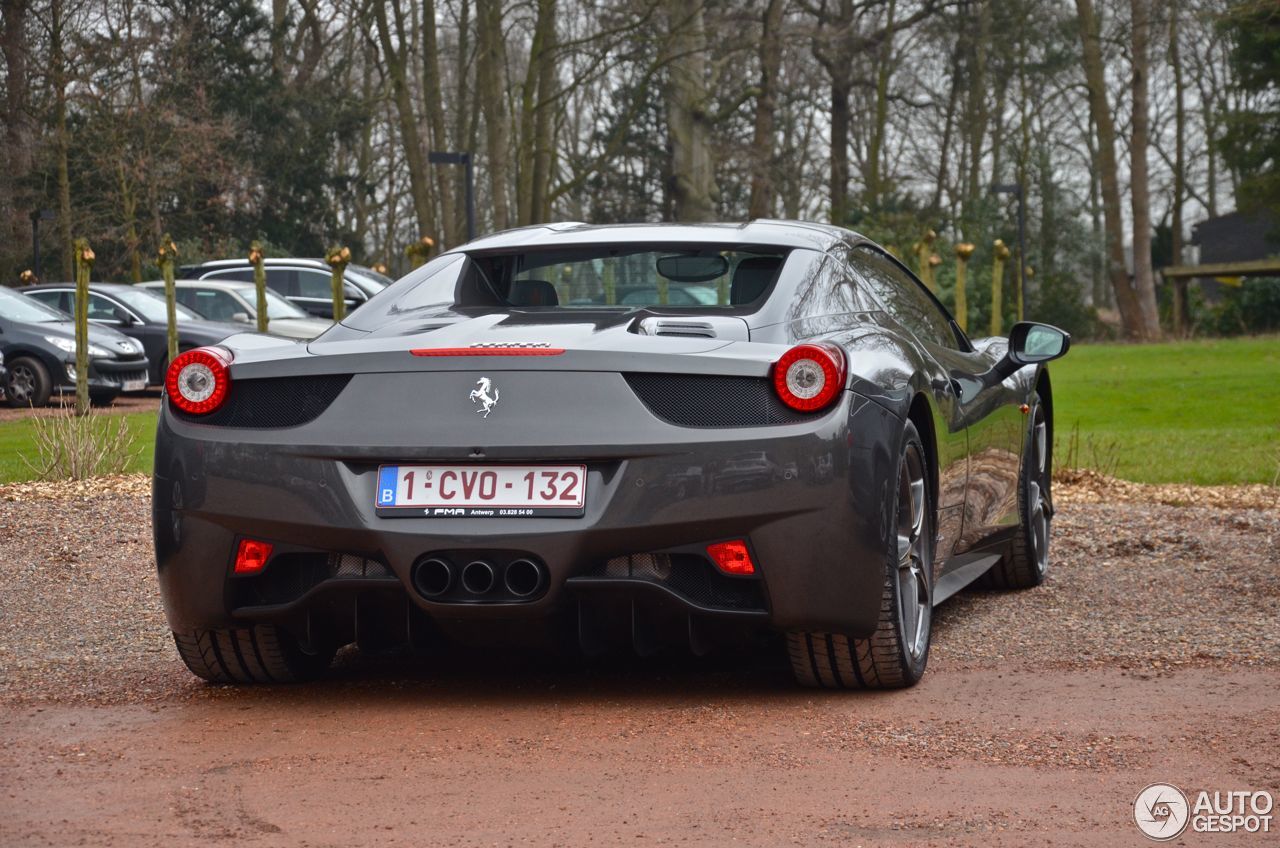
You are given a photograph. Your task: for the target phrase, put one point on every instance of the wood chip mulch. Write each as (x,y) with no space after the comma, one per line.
(1090,487)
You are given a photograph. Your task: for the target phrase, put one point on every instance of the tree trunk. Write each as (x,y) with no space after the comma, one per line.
(491,84)
(19,130)
(279,18)
(1143,276)
(419,181)
(762,192)
(1108,174)
(61,139)
(1099,286)
(1180,315)
(543,123)
(535,116)
(947,129)
(433,94)
(879,126)
(976,113)
(465,130)
(840,89)
(692,181)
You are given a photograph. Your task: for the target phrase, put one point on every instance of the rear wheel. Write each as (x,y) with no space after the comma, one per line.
(1028,563)
(263,653)
(28,383)
(896,653)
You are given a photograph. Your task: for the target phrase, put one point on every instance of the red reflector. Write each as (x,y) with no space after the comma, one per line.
(732,557)
(487,351)
(252,556)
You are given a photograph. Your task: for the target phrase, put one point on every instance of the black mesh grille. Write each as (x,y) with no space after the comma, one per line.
(274,401)
(702,400)
(691,576)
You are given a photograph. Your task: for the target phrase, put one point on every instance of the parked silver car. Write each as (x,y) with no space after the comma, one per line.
(306,283)
(234,301)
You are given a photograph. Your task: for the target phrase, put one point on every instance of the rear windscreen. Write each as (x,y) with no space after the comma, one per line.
(607,277)
(689,277)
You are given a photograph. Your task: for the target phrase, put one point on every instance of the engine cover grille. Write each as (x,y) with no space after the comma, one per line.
(706,400)
(274,402)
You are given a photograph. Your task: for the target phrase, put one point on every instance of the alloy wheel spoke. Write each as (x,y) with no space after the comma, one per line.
(905,551)
(917,508)
(913,565)
(1040,447)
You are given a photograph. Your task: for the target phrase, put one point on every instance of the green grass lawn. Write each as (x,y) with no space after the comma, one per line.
(17,439)
(1193,412)
(1197,412)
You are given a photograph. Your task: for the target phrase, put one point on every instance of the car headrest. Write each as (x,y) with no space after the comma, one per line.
(752,277)
(533,293)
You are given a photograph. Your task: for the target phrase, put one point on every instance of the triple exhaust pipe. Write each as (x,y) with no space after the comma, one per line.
(439,579)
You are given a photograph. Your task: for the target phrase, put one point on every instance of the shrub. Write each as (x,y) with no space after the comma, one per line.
(1058,300)
(72,447)
(1252,307)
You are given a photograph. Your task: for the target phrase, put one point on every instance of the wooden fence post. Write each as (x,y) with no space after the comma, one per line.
(260,285)
(925,259)
(338,257)
(166,256)
(420,251)
(84,268)
(1000,254)
(964,250)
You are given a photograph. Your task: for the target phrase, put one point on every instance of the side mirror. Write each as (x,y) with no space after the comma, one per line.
(1029,344)
(124,318)
(241,317)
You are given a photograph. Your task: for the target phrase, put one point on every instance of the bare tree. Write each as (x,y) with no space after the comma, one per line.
(689,113)
(1131,311)
(1148,319)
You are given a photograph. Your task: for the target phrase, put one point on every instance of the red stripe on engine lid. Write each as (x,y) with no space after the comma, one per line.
(508,350)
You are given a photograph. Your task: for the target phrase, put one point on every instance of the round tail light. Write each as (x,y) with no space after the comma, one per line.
(810,376)
(198,380)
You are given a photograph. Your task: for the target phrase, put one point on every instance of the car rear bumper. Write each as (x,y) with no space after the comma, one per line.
(813,515)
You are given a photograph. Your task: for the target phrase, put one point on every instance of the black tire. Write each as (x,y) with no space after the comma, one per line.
(263,653)
(897,652)
(28,383)
(1027,563)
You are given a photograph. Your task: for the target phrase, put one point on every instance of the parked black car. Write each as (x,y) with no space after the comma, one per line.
(39,347)
(139,314)
(305,282)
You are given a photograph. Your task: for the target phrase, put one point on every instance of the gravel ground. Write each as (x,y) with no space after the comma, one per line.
(1151,654)
(1139,587)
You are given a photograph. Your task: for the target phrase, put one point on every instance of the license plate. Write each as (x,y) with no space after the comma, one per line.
(481,491)
(134,386)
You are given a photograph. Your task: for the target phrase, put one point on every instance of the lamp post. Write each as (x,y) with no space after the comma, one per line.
(1016,190)
(437,157)
(37,215)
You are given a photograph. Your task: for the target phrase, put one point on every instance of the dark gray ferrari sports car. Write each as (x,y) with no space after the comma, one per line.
(651,435)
